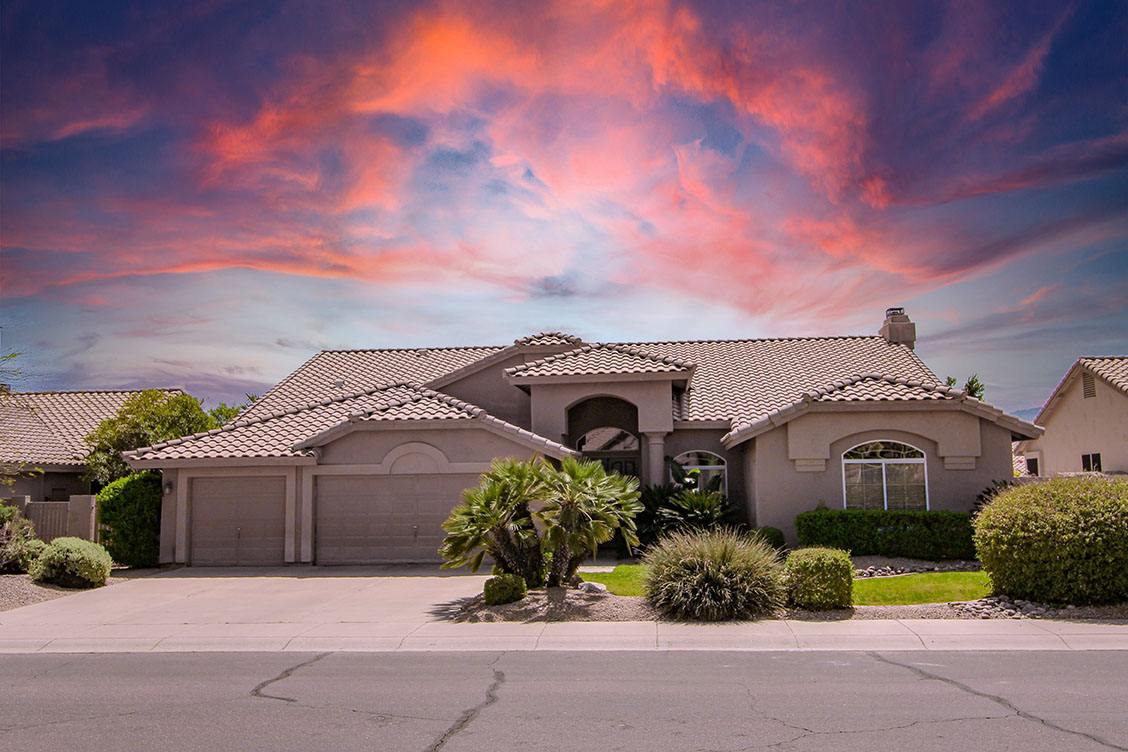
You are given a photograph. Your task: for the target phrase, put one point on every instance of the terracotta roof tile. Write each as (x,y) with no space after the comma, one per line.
(549,338)
(600,359)
(50,428)
(1113,369)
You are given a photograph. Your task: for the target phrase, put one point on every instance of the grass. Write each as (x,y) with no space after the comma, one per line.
(910,589)
(625,580)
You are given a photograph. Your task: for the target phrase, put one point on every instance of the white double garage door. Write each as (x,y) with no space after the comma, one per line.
(357,519)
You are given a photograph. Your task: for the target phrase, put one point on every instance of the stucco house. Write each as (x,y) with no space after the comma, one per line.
(1085,421)
(43,439)
(359,455)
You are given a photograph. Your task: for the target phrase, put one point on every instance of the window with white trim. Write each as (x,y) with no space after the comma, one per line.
(704,470)
(884,475)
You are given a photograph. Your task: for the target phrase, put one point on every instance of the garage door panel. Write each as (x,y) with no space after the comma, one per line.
(237,521)
(384,518)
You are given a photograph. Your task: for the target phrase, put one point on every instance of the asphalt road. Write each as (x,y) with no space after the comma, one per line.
(1027,701)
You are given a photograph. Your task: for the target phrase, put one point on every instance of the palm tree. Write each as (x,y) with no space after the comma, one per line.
(495,518)
(584,507)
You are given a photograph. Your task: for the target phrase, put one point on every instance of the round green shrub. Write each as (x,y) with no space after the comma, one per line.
(504,588)
(1061,541)
(130,508)
(773,536)
(31,551)
(820,578)
(713,575)
(72,563)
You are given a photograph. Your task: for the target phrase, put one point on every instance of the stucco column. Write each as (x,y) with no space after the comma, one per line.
(655,458)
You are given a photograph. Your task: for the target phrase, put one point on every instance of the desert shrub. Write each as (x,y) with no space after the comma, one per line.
(773,536)
(504,588)
(1062,541)
(916,534)
(130,508)
(72,563)
(30,553)
(648,522)
(8,512)
(713,575)
(819,578)
(16,534)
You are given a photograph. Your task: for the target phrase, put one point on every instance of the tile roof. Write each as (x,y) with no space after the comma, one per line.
(877,388)
(334,373)
(549,338)
(50,428)
(1113,369)
(290,433)
(600,359)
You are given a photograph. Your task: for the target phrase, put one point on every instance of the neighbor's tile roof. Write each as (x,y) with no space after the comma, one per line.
(361,370)
(50,428)
(1113,369)
(601,359)
(549,338)
(286,433)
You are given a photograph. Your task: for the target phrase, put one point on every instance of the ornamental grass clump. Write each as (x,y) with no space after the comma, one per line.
(819,579)
(72,563)
(1061,541)
(713,575)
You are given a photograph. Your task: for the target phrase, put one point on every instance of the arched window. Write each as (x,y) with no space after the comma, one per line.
(702,470)
(884,475)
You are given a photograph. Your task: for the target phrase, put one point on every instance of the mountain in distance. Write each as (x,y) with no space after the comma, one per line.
(1027,414)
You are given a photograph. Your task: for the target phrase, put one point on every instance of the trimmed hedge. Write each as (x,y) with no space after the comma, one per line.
(713,575)
(72,563)
(130,508)
(1061,541)
(819,578)
(917,535)
(504,588)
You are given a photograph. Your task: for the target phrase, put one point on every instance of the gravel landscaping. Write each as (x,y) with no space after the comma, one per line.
(889,566)
(17,590)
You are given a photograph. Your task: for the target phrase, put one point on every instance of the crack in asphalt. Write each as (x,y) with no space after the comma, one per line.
(258,690)
(470,714)
(1015,710)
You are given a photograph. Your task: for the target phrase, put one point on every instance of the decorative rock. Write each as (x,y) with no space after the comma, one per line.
(593,587)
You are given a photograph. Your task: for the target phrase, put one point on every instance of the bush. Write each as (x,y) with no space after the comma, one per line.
(130,508)
(713,575)
(505,588)
(918,535)
(698,510)
(16,534)
(72,563)
(820,578)
(773,536)
(1062,541)
(30,553)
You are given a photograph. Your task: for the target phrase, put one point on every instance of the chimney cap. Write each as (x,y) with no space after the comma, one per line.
(895,311)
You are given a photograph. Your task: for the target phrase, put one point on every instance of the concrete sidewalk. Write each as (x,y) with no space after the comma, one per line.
(400,609)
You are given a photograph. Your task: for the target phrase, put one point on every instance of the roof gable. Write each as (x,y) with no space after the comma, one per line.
(1113,369)
(600,360)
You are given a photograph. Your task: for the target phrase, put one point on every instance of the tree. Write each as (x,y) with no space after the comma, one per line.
(148,418)
(973,386)
(223,413)
(539,522)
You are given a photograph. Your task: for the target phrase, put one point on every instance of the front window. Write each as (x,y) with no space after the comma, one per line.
(1091,462)
(700,470)
(884,475)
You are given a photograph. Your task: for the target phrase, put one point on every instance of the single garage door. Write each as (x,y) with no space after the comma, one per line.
(238,521)
(370,519)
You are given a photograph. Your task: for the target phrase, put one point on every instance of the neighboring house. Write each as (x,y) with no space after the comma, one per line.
(359,455)
(43,439)
(1085,421)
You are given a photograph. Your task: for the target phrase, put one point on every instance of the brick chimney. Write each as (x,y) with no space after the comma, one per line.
(897,329)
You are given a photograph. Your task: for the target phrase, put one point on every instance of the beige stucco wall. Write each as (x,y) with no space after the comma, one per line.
(780,490)
(550,403)
(1077,426)
(39,486)
(489,390)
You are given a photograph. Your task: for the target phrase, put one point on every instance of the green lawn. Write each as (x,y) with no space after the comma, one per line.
(625,580)
(931,587)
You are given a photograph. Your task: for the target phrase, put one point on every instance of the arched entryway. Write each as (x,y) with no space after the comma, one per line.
(606,429)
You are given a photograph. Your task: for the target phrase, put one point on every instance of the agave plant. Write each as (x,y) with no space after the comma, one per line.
(584,507)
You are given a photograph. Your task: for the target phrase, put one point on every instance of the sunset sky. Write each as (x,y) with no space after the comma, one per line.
(203,194)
